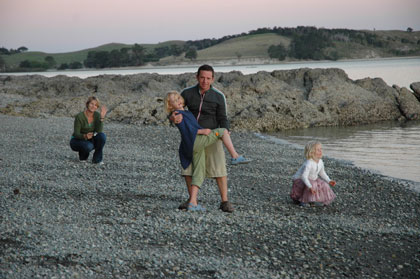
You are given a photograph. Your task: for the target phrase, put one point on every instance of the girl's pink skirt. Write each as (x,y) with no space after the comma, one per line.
(323,192)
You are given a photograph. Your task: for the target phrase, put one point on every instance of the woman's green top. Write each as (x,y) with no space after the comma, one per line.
(82,127)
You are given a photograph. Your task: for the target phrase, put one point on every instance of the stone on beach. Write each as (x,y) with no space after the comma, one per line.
(121,220)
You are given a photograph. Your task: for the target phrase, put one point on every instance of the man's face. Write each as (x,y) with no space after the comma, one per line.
(205,79)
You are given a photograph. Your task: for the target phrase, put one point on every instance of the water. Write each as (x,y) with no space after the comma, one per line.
(390,148)
(399,71)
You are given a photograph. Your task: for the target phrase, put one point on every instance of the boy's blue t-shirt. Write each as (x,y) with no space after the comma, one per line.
(188,129)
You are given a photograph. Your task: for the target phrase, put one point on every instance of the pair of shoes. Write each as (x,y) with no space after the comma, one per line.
(240,160)
(197,207)
(184,205)
(226,206)
(303,204)
(101,163)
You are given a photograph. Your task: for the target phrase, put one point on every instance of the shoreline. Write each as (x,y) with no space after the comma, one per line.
(219,63)
(64,219)
(411,184)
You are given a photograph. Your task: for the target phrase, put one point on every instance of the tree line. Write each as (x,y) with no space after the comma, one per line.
(135,56)
(11,51)
(313,43)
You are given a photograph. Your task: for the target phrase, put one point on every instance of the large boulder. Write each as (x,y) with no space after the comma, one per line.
(409,105)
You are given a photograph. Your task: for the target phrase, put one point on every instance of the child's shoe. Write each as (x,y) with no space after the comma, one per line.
(240,160)
(197,207)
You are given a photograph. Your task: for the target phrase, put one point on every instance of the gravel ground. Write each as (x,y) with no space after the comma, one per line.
(64,219)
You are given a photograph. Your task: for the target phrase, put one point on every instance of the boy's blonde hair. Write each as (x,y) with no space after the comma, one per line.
(310,149)
(170,95)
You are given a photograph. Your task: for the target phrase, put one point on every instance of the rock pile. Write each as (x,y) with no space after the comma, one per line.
(262,102)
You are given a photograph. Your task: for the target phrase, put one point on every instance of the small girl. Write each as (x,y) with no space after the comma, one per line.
(307,186)
(194,139)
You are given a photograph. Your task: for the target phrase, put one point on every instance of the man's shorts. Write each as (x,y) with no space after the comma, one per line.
(215,161)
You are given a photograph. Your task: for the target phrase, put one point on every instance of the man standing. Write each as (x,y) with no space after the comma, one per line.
(208,105)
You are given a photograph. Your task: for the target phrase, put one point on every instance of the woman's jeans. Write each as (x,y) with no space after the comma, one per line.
(84,147)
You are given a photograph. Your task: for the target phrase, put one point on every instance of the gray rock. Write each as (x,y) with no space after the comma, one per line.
(409,104)
(258,102)
(415,86)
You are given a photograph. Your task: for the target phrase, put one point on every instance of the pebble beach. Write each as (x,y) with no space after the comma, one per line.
(64,219)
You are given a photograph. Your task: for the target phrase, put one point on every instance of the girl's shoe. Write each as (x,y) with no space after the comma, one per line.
(303,204)
(197,207)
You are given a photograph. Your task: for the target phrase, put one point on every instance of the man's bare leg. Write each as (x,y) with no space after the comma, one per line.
(194,194)
(188,181)
(223,189)
(225,205)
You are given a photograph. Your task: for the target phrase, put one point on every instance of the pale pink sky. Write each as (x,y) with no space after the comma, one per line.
(69,25)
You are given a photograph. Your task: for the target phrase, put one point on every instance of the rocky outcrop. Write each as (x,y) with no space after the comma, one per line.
(409,105)
(416,89)
(259,102)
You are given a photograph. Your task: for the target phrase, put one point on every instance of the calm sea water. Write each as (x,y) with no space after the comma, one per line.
(392,149)
(389,148)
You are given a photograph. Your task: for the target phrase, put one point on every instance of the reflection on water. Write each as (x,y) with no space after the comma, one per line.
(390,148)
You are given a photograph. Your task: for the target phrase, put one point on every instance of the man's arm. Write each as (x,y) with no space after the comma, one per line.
(221,113)
(175,117)
(203,132)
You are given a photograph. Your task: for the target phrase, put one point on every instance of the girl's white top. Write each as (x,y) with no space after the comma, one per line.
(310,170)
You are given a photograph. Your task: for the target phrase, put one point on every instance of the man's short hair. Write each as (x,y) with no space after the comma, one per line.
(205,67)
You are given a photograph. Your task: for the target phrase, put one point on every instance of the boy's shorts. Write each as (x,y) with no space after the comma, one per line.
(215,161)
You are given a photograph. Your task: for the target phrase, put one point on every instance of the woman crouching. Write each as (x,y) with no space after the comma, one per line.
(87,134)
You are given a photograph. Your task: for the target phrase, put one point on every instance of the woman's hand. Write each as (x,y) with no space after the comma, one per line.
(88,136)
(332,183)
(104,110)
(313,191)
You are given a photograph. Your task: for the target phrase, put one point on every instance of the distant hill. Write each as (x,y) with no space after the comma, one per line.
(301,43)
(76,56)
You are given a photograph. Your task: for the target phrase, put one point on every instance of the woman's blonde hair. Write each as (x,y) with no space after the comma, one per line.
(92,98)
(168,97)
(310,149)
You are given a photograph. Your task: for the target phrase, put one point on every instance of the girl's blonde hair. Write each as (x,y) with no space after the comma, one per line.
(168,97)
(310,149)
(92,98)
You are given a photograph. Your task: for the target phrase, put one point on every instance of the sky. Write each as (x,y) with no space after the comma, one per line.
(56,26)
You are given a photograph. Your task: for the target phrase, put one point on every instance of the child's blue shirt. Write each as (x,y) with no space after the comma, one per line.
(188,129)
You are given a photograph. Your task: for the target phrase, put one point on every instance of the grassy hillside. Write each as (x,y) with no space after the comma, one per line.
(76,56)
(393,42)
(341,44)
(68,57)
(247,47)
(251,46)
